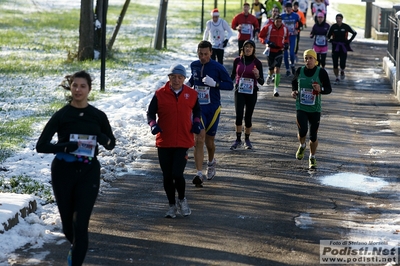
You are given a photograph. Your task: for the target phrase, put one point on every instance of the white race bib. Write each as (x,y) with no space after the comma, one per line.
(246,29)
(246,85)
(86,144)
(307,97)
(203,93)
(320,40)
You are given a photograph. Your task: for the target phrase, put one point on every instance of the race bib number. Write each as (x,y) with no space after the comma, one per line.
(307,97)
(246,85)
(320,40)
(86,144)
(246,29)
(203,93)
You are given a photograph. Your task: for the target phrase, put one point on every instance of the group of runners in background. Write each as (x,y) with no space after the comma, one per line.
(208,75)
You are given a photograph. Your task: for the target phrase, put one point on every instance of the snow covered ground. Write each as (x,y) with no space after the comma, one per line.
(126,109)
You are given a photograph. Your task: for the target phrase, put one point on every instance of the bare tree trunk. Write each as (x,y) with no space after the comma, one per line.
(119,22)
(161,25)
(86,31)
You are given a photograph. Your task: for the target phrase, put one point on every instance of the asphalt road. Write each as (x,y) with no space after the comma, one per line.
(247,214)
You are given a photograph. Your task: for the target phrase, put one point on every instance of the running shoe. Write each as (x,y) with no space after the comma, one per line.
(342,76)
(248,144)
(312,163)
(198,181)
(183,207)
(211,169)
(69,257)
(276,93)
(236,144)
(273,77)
(288,73)
(293,70)
(337,81)
(269,79)
(171,213)
(300,153)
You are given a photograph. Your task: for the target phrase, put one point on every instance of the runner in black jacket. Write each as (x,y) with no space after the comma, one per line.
(75,171)
(338,36)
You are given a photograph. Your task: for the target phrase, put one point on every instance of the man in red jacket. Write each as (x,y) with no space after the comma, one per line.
(175,104)
(276,37)
(246,24)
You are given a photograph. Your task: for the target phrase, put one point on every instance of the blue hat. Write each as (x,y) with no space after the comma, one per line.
(177,69)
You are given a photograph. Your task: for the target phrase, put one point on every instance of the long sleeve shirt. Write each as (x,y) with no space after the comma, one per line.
(76,121)
(243,68)
(339,36)
(292,22)
(319,32)
(279,36)
(218,73)
(217,32)
(303,81)
(249,24)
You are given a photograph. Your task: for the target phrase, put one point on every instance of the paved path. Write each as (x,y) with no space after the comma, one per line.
(247,215)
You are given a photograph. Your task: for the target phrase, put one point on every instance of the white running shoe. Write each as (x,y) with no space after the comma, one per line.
(269,79)
(211,169)
(184,207)
(171,213)
(276,93)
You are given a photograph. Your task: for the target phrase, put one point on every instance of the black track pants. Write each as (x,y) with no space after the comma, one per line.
(173,162)
(75,187)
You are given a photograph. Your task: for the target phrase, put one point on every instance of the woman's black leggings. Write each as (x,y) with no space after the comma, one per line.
(321,58)
(242,100)
(303,119)
(75,187)
(173,162)
(335,59)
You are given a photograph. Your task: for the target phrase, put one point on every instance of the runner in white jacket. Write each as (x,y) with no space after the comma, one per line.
(218,32)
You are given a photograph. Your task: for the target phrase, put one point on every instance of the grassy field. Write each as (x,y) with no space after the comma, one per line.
(354,14)
(51,38)
(41,43)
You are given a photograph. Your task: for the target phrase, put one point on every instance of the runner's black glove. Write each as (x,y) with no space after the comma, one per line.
(155,129)
(225,43)
(196,128)
(271,44)
(286,46)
